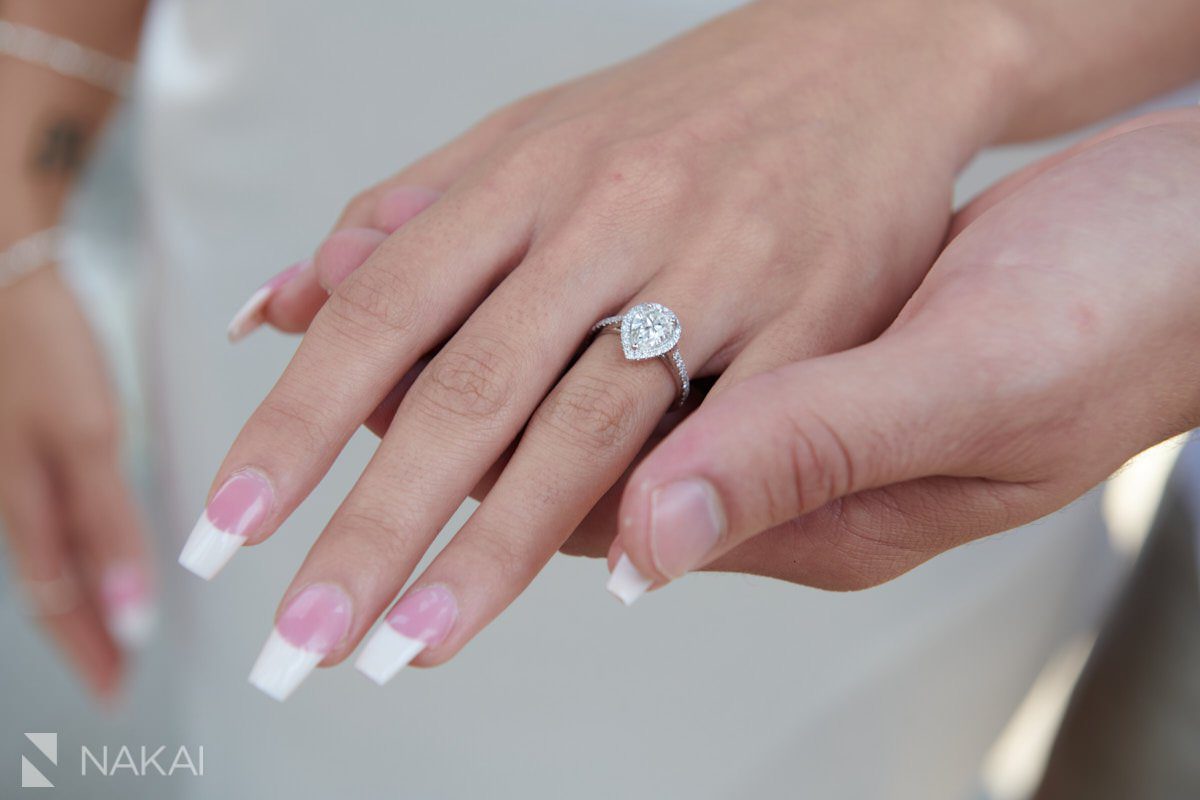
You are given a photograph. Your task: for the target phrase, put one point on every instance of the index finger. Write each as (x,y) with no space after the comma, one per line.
(410,295)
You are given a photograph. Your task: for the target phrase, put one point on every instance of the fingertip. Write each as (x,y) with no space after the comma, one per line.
(127,598)
(253,312)
(292,308)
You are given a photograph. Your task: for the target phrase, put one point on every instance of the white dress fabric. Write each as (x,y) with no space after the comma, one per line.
(256,120)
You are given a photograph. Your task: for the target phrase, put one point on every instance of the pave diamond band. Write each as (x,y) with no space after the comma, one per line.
(650,330)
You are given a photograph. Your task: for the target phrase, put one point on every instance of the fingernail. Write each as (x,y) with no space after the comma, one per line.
(686,522)
(250,316)
(314,622)
(129,608)
(420,620)
(236,510)
(627,583)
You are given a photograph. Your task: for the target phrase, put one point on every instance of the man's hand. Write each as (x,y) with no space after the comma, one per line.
(1056,336)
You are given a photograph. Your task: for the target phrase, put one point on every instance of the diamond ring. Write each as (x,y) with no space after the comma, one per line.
(650,330)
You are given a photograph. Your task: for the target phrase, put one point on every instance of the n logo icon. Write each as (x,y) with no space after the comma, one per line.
(31,776)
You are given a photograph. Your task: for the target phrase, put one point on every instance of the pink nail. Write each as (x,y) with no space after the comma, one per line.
(128,604)
(237,510)
(426,614)
(686,522)
(250,316)
(315,621)
(422,619)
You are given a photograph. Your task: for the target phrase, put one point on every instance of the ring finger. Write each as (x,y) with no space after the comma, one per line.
(578,443)
(460,414)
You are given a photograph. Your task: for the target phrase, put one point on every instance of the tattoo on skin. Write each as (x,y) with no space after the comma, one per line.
(60,147)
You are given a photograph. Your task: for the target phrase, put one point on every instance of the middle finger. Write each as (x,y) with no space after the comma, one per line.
(459,416)
(578,443)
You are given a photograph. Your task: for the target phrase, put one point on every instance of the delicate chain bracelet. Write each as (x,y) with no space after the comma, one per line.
(64,57)
(27,255)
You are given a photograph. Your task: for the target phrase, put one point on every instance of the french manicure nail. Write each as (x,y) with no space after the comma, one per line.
(627,583)
(236,510)
(129,608)
(422,619)
(250,316)
(686,522)
(314,622)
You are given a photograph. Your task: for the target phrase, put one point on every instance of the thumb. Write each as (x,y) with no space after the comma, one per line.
(781,444)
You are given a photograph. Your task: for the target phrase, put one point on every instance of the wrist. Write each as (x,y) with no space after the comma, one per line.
(995,50)
(946,76)
(980,53)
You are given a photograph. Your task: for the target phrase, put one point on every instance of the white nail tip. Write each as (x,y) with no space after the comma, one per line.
(132,625)
(249,316)
(282,666)
(387,652)
(208,549)
(627,582)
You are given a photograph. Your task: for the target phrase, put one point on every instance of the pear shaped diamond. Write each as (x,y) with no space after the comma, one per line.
(649,330)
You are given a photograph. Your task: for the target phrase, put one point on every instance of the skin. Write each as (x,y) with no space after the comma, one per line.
(641,175)
(659,179)
(66,510)
(1024,371)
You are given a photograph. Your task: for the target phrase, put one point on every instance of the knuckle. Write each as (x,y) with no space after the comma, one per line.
(293,424)
(372,531)
(495,550)
(529,152)
(360,205)
(471,379)
(513,115)
(589,413)
(820,463)
(864,551)
(372,303)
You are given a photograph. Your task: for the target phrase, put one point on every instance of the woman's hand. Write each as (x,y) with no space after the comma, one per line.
(72,527)
(779,190)
(1057,336)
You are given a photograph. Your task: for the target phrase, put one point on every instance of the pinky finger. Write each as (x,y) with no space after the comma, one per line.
(290,300)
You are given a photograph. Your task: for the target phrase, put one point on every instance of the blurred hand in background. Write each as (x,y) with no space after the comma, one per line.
(72,527)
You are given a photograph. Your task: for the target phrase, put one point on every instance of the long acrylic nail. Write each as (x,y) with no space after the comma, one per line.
(313,624)
(236,510)
(250,316)
(627,583)
(129,609)
(686,522)
(422,619)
